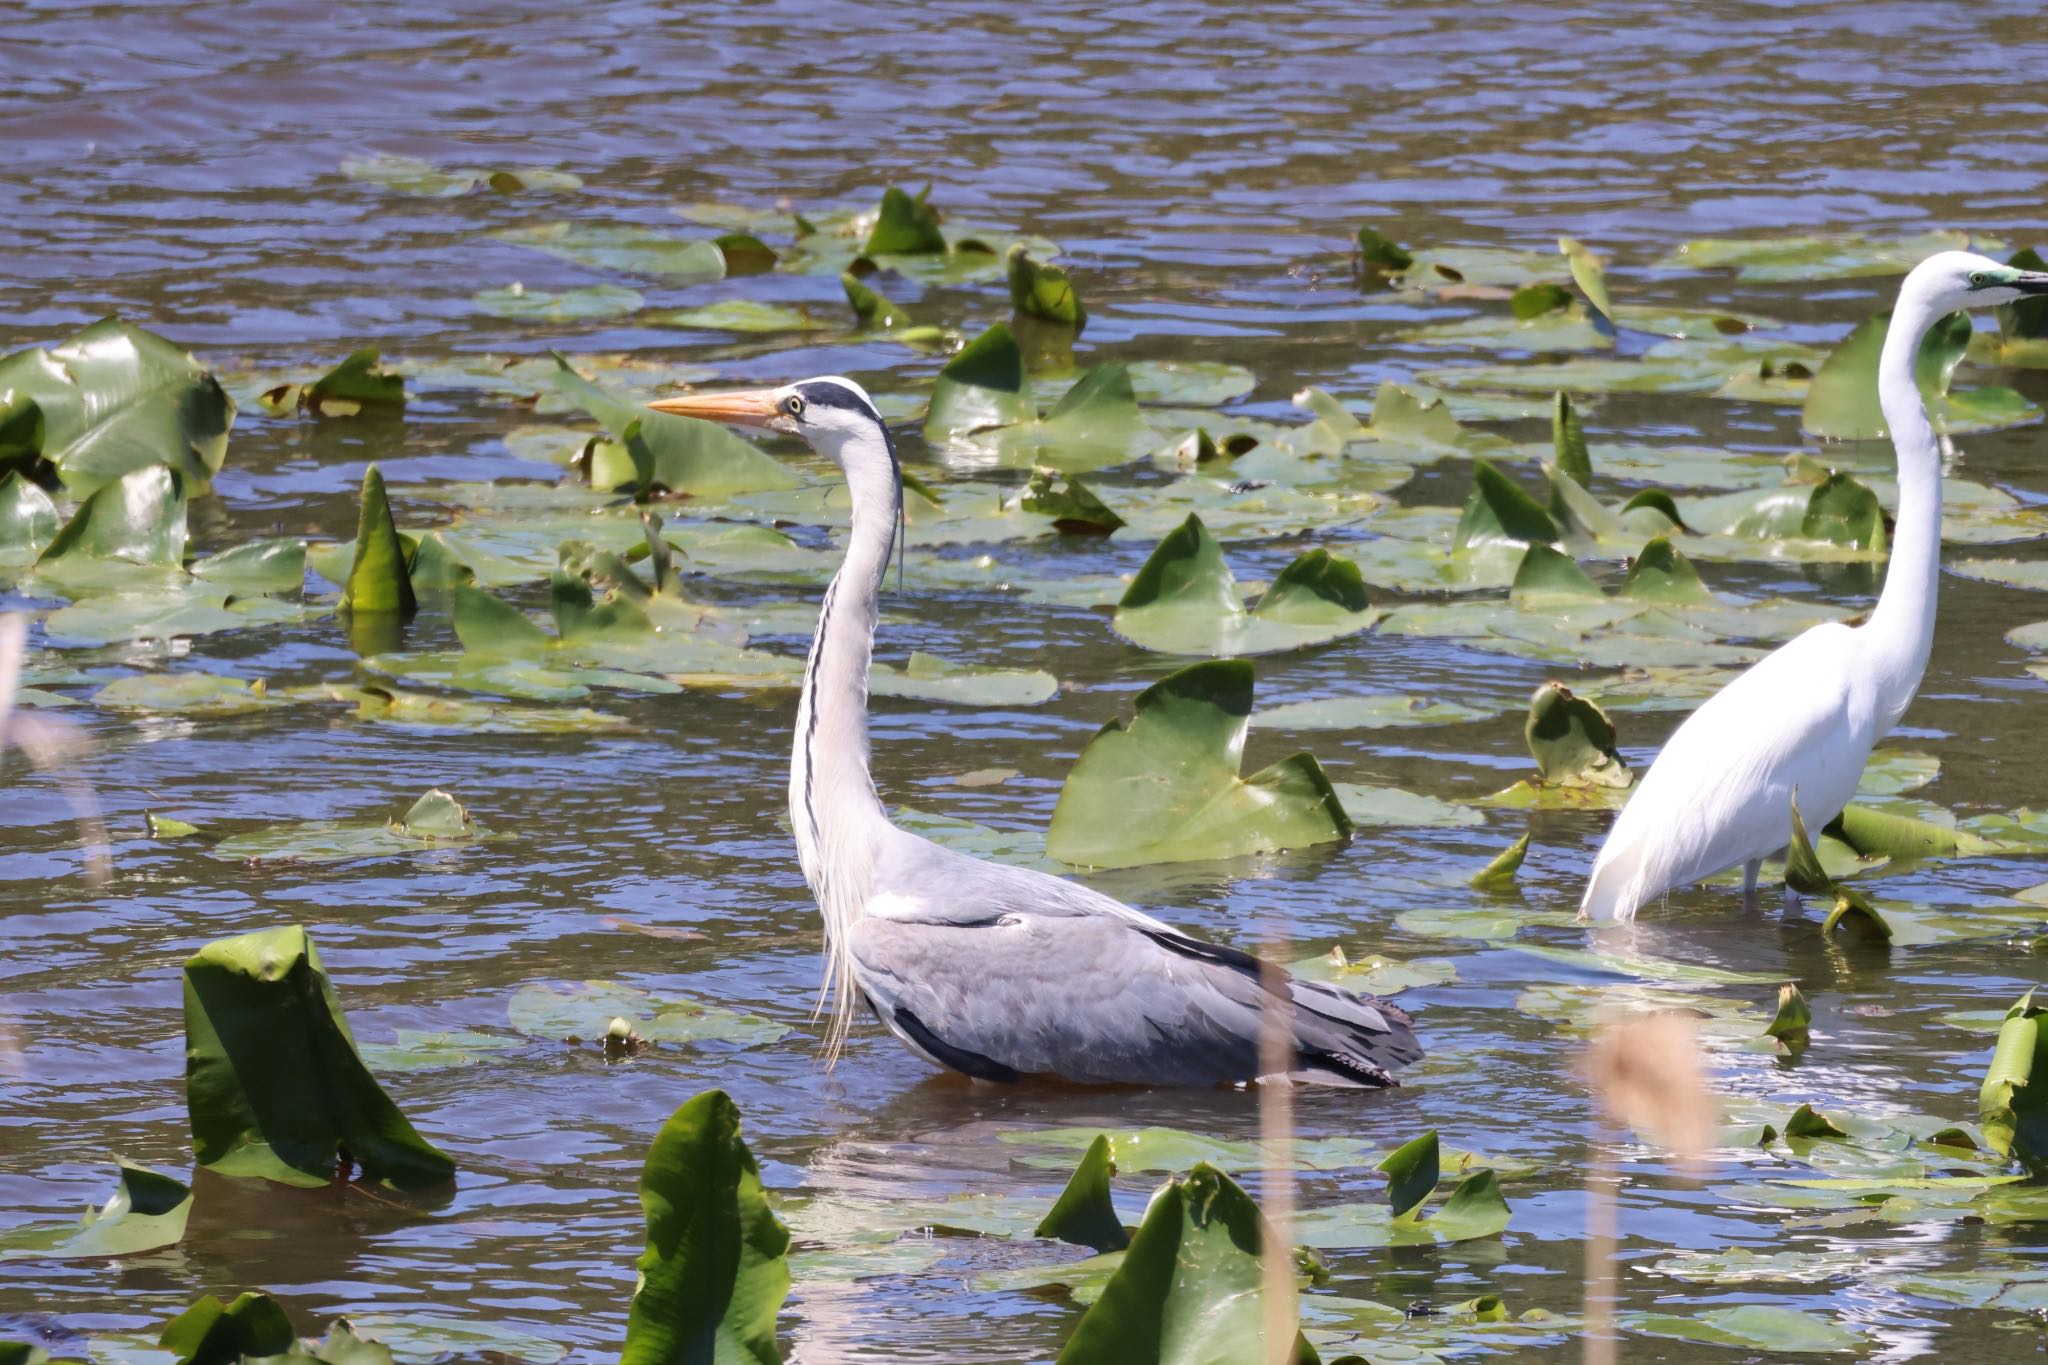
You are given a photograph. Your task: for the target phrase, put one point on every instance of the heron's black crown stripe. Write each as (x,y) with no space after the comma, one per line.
(825,394)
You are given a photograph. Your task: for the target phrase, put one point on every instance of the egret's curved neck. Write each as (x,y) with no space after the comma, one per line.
(837,818)
(1900,631)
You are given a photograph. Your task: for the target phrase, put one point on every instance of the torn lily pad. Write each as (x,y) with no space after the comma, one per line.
(435,820)
(1165,786)
(148,1211)
(1184,600)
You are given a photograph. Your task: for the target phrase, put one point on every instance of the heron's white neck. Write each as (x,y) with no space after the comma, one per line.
(1900,632)
(834,812)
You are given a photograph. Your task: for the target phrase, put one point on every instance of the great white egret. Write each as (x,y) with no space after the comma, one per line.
(1002,972)
(1803,718)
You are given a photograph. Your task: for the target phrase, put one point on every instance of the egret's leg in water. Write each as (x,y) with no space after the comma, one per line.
(1794,907)
(1750,870)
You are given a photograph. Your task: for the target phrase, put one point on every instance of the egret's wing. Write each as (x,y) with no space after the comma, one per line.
(1103,998)
(1720,791)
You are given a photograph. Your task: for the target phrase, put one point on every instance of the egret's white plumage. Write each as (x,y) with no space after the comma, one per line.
(1803,718)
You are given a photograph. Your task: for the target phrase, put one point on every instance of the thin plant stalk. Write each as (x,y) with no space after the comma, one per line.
(1276,1146)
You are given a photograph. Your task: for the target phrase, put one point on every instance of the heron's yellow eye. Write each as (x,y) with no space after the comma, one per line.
(793,405)
(1977,278)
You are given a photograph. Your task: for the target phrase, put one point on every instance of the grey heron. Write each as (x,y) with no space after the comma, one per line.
(1802,720)
(1001,972)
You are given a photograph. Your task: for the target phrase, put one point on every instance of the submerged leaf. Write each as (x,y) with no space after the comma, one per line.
(272,1080)
(715,1270)
(1165,786)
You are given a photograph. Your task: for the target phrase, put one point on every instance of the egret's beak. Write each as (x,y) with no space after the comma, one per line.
(2032,282)
(745,408)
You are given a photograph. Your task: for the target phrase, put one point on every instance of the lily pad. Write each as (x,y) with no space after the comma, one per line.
(745,315)
(1752,1326)
(1834,256)
(570,305)
(136,518)
(1394,808)
(581,1011)
(714,1273)
(2013,1110)
(183,691)
(1842,402)
(1043,291)
(1185,600)
(435,820)
(983,386)
(1165,786)
(213,1333)
(1083,1214)
(926,677)
(379,581)
(272,1080)
(115,400)
(1189,1291)
(623,247)
(1366,713)
(1573,741)
(148,1211)
(680,454)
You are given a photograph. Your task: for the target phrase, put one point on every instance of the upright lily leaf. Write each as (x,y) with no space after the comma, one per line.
(681,454)
(1189,1290)
(1184,600)
(1793,1019)
(115,399)
(1659,573)
(714,1273)
(1165,787)
(1808,1122)
(1589,272)
(138,517)
(1380,257)
(1073,506)
(1549,574)
(28,519)
(1412,1172)
(2014,1110)
(904,226)
(213,1333)
(1568,439)
(983,386)
(272,1080)
(1083,1214)
(2025,319)
(1804,873)
(1841,403)
(1572,740)
(1501,872)
(147,1211)
(356,383)
(1498,511)
(1475,1209)
(870,308)
(379,580)
(1844,512)
(1043,291)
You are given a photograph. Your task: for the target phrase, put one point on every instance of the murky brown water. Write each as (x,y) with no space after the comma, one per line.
(1202,168)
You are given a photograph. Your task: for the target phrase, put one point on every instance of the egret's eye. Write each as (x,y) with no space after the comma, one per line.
(793,405)
(1977,279)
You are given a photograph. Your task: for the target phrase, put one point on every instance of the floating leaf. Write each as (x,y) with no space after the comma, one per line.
(1083,1214)
(358,382)
(1365,713)
(1808,1123)
(213,1333)
(1165,786)
(1412,1173)
(183,691)
(1837,256)
(272,1080)
(1394,808)
(926,677)
(28,519)
(680,454)
(715,1271)
(1073,506)
(1753,1326)
(2013,1110)
(1043,291)
(745,315)
(1500,872)
(435,819)
(1497,511)
(1573,741)
(114,400)
(1190,383)
(623,247)
(261,566)
(570,305)
(148,1211)
(138,518)
(1184,600)
(1189,1291)
(581,1012)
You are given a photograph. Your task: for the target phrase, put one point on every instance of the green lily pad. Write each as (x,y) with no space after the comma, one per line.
(904,225)
(1189,383)
(581,1012)
(1366,713)
(1836,256)
(146,1212)
(1394,808)
(1185,601)
(379,581)
(680,454)
(1573,741)
(1412,1172)
(183,691)
(273,1084)
(261,566)
(411,175)
(983,386)
(623,247)
(136,518)
(1752,1326)
(1842,402)
(1094,424)
(1189,1289)
(28,520)
(1498,512)
(435,820)
(745,315)
(926,677)
(1083,1214)
(714,1272)
(213,1333)
(2014,1112)
(392,706)
(570,305)
(1043,291)
(358,382)
(115,400)
(1165,786)
(1374,974)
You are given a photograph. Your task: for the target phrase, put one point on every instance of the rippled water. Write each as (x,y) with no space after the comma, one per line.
(1202,168)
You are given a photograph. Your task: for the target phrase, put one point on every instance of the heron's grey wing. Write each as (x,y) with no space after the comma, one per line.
(919,879)
(1099,998)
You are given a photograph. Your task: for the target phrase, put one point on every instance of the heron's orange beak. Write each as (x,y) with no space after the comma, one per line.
(745,408)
